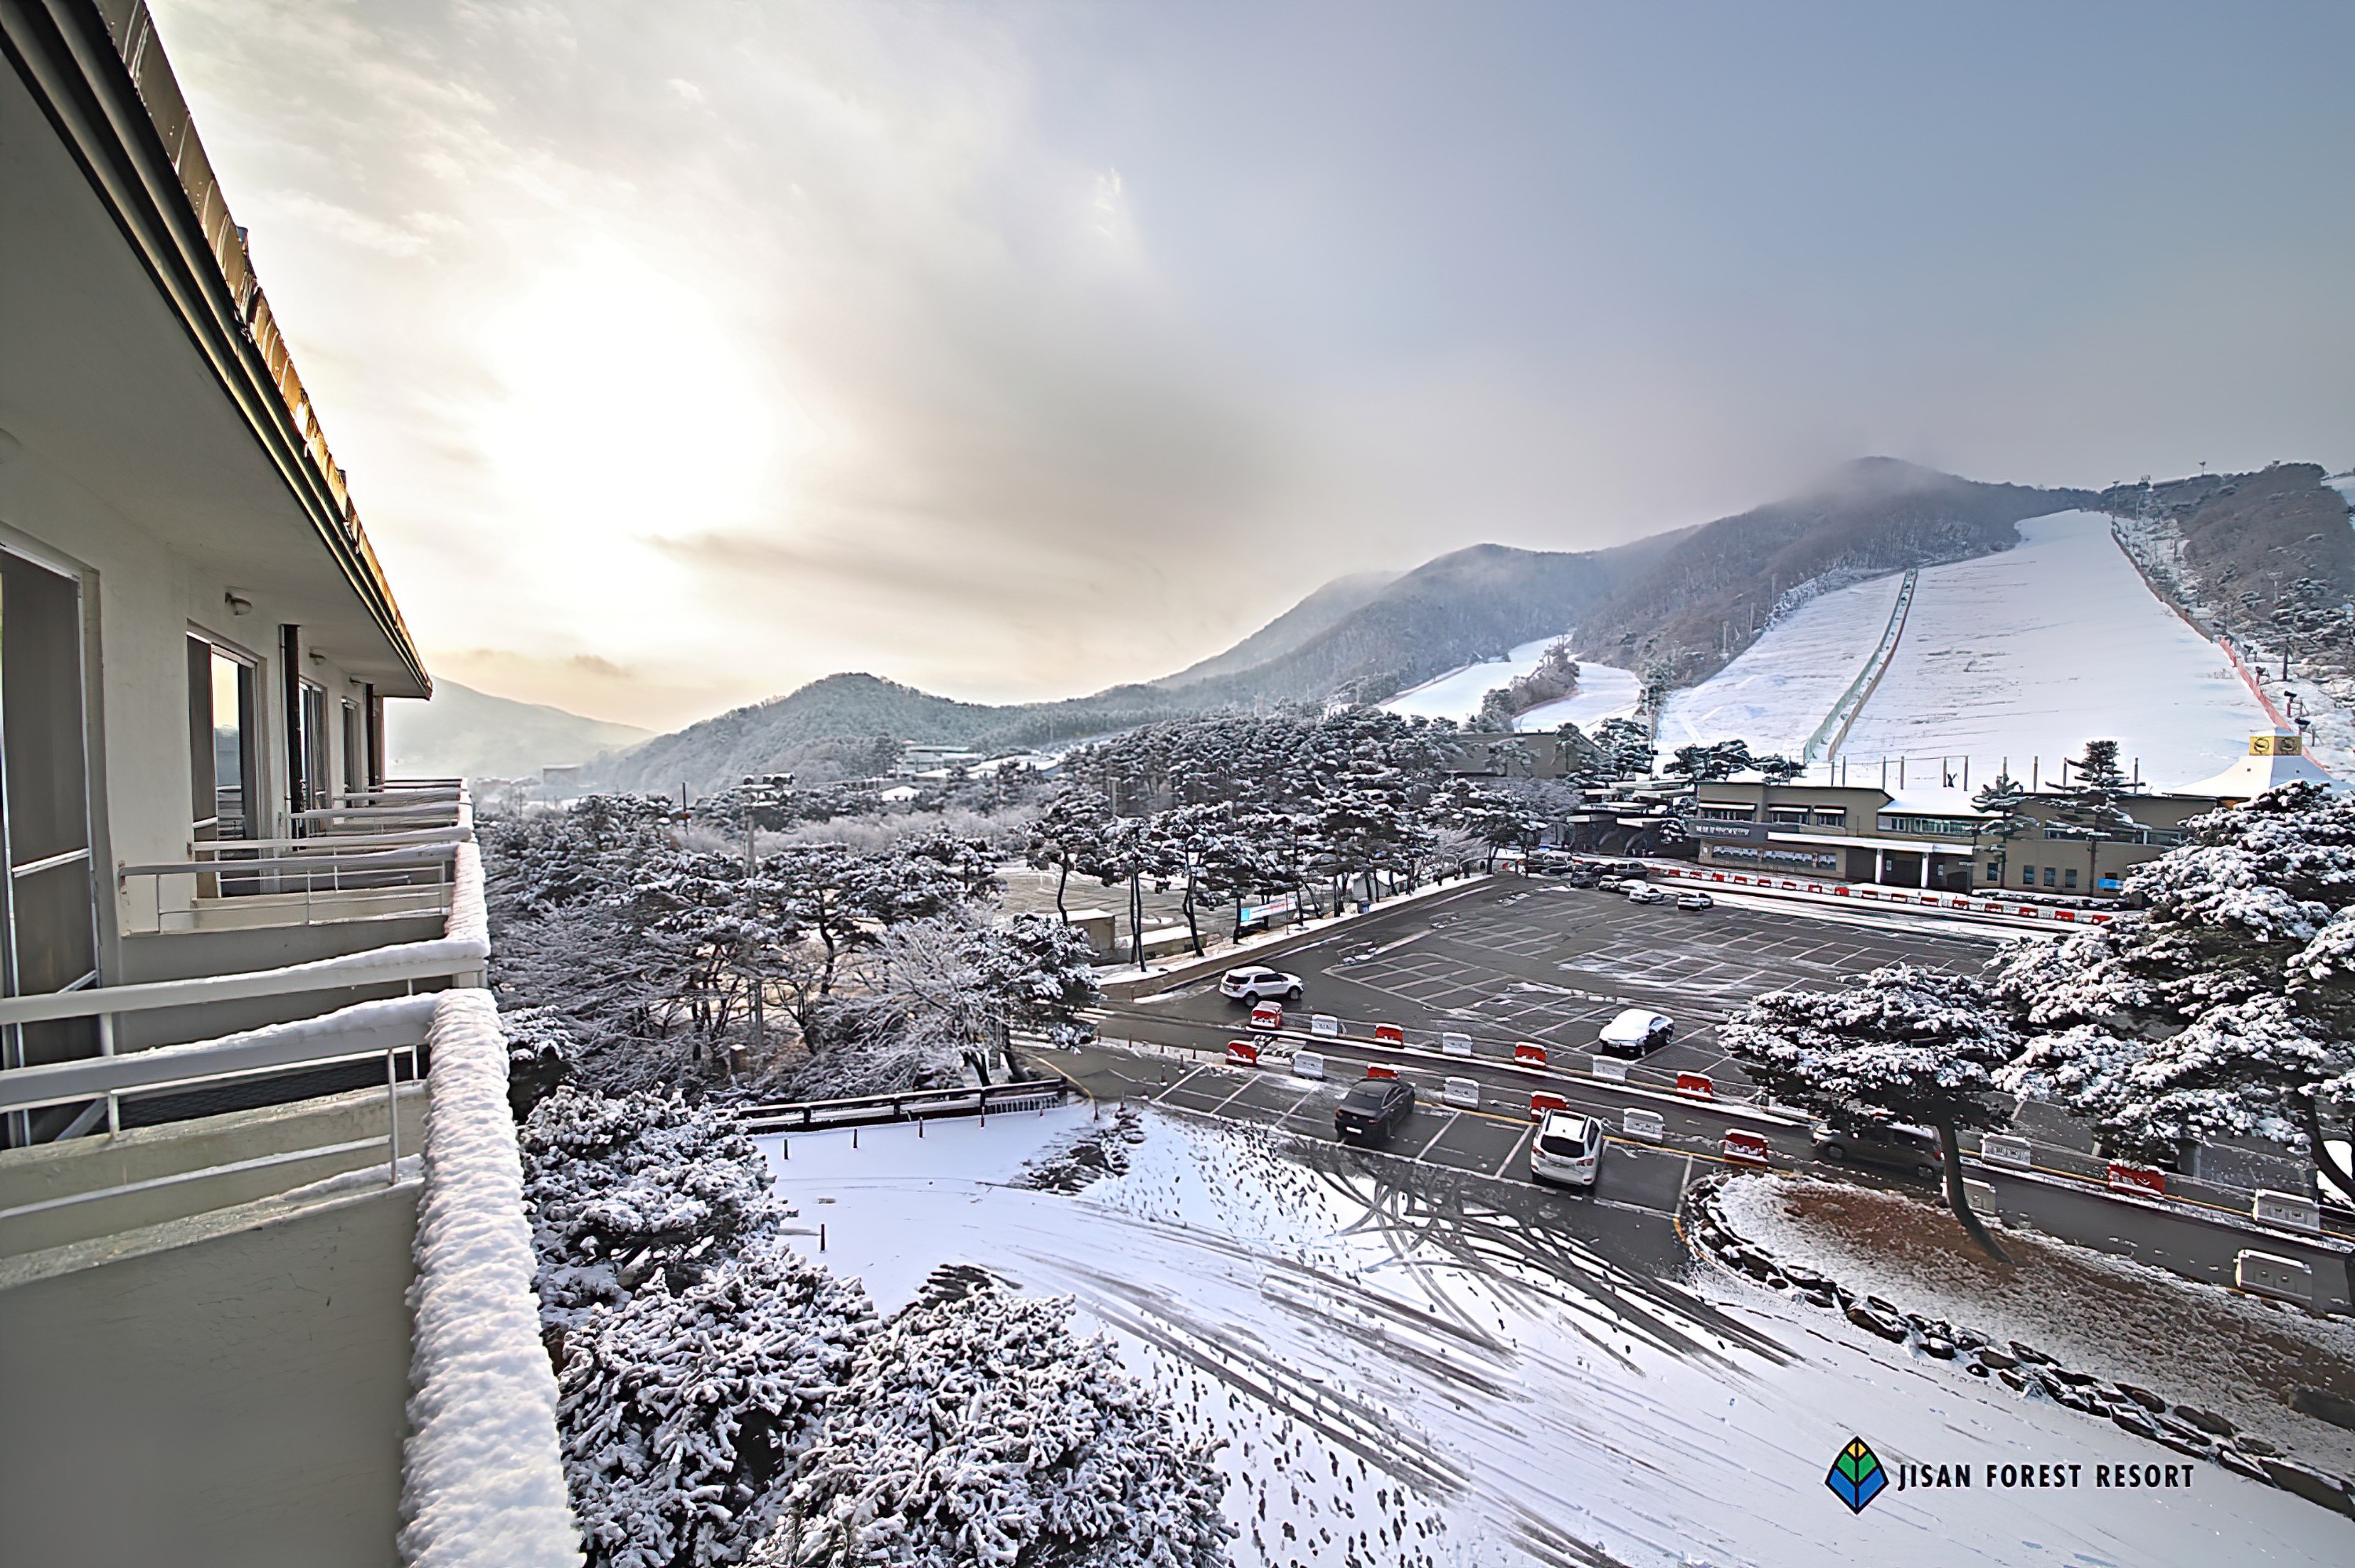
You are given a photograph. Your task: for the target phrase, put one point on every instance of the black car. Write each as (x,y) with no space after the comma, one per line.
(1372,1109)
(1892,1147)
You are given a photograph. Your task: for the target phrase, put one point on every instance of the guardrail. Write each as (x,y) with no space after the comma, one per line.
(1874,892)
(910,1105)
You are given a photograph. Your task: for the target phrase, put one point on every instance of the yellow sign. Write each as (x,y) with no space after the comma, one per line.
(2273,745)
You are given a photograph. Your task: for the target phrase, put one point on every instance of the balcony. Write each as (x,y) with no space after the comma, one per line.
(306,1301)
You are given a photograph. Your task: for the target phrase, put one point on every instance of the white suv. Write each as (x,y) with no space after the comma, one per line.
(1253,984)
(1567,1148)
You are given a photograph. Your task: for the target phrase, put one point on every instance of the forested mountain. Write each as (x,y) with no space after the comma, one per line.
(467,733)
(1688,599)
(1707,597)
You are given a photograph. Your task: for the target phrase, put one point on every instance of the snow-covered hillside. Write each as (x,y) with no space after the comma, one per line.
(1781,687)
(1457,694)
(1603,692)
(2020,655)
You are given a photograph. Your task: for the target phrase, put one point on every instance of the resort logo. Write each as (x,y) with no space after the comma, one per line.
(1856,1478)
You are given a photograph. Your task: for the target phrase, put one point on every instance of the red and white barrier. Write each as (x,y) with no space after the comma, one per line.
(1463,1094)
(1746,1148)
(1324,1025)
(1455,1044)
(1389,1034)
(1241,1053)
(1267,1015)
(1307,1065)
(1649,1124)
(1893,896)
(1697,1084)
(2140,1180)
(1381,1070)
(1529,1055)
(1610,1068)
(1542,1102)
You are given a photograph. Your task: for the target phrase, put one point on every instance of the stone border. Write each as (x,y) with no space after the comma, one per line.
(2026,1371)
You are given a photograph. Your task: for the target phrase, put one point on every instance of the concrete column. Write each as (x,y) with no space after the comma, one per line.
(1879,865)
(1925,868)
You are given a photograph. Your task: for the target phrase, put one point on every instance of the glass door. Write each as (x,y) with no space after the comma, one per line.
(48,909)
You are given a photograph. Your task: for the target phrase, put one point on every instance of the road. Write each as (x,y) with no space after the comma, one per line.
(1513,960)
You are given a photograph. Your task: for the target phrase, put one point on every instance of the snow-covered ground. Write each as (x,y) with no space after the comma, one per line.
(2025,654)
(1603,693)
(1400,1381)
(1778,689)
(1457,694)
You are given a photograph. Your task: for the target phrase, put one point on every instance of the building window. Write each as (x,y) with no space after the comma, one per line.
(2069,879)
(1787,816)
(2048,876)
(1994,871)
(1727,814)
(311,789)
(2027,876)
(1831,819)
(224,734)
(355,750)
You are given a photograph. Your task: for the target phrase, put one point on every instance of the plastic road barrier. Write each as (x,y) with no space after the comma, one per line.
(1610,1067)
(1998,1149)
(2286,1210)
(1462,1093)
(1307,1065)
(2137,1179)
(1455,1044)
(1267,1015)
(1644,1124)
(1530,1056)
(1324,1025)
(1696,1084)
(2282,1278)
(1542,1102)
(1242,1054)
(1746,1148)
(1389,1034)
(1381,1070)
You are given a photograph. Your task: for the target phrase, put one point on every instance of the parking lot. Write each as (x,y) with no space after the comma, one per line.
(1535,960)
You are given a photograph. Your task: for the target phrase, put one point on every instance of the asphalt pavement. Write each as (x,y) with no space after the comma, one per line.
(1534,961)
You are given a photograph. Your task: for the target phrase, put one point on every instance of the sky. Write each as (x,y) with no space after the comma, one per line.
(683,352)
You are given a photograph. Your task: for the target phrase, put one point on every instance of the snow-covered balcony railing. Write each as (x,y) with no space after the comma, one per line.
(457,957)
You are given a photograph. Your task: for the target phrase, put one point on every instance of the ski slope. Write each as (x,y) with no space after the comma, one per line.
(2032,652)
(2019,656)
(1780,687)
(1457,694)
(1603,693)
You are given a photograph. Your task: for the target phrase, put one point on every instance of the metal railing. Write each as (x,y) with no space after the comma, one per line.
(910,1105)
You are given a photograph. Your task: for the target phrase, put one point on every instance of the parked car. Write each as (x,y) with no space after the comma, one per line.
(1893,1146)
(1549,860)
(1567,1148)
(1582,876)
(1253,983)
(1632,870)
(1372,1109)
(1695,900)
(1644,893)
(1636,1032)
(1610,883)
(1267,1015)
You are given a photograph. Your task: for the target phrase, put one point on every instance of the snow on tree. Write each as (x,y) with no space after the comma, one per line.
(982,1430)
(1902,1044)
(683,1412)
(1626,748)
(1999,803)
(2089,811)
(2224,1005)
(621,1187)
(1060,836)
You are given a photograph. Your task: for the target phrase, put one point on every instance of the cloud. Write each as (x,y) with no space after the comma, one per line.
(681,353)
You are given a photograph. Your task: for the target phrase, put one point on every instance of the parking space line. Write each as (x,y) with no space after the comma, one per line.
(1518,1152)
(1425,1146)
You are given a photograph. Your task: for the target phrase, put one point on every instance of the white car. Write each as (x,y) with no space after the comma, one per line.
(1255,984)
(1644,893)
(1636,1031)
(1694,901)
(1568,1148)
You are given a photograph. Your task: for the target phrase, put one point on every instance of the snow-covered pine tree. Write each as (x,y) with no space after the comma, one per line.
(620,1187)
(1902,1044)
(683,1414)
(2224,1006)
(982,1430)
